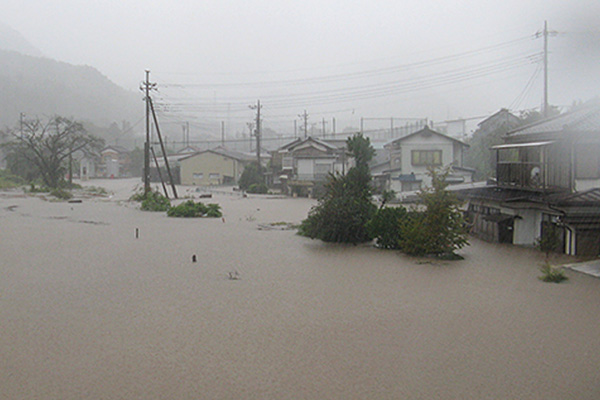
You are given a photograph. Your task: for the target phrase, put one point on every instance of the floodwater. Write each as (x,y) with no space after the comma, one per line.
(89,311)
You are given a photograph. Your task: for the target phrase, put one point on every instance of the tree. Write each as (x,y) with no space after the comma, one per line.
(440,229)
(252,175)
(361,149)
(346,207)
(46,146)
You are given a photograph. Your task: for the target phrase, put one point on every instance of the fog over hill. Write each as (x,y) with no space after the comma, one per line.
(39,86)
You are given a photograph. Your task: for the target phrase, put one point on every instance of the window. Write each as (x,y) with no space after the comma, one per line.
(426,157)
(198,175)
(213,176)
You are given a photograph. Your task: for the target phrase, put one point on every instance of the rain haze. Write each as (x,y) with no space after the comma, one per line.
(101,298)
(345,60)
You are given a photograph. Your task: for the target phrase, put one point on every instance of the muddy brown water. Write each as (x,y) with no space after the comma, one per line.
(88,311)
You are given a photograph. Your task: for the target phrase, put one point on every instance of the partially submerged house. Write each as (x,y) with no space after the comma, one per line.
(217,166)
(303,165)
(547,181)
(411,156)
(114,162)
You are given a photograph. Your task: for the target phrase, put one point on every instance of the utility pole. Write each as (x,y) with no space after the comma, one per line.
(361,125)
(305,117)
(545,69)
(545,33)
(333,126)
(257,107)
(146,87)
(323,123)
(223,133)
(295,129)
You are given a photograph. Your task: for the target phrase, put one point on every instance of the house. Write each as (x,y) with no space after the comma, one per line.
(410,157)
(114,162)
(217,166)
(303,165)
(547,182)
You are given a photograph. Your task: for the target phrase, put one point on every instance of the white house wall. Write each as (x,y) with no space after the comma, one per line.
(527,228)
(421,142)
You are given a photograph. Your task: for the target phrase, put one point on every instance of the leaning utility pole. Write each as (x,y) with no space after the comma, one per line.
(162,146)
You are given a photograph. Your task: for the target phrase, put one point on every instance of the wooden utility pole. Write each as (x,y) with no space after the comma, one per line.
(146,86)
(223,133)
(257,107)
(162,146)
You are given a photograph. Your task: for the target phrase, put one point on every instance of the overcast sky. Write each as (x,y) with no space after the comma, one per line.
(344,59)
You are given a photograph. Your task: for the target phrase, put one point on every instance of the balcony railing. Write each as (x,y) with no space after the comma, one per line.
(534,175)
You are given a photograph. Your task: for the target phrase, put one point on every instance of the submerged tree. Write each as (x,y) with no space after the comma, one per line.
(346,207)
(438,230)
(47,146)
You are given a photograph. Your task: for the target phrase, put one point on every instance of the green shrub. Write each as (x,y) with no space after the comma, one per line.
(258,188)
(385,227)
(551,274)
(61,194)
(154,201)
(9,180)
(38,189)
(191,209)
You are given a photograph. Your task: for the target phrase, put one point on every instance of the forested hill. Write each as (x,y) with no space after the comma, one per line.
(41,87)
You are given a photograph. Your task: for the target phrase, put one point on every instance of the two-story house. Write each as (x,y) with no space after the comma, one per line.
(547,180)
(302,165)
(411,156)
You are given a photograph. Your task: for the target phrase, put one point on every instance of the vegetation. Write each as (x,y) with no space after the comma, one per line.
(346,207)
(153,201)
(9,180)
(191,209)
(385,227)
(552,274)
(252,175)
(258,188)
(61,194)
(440,229)
(41,149)
(550,240)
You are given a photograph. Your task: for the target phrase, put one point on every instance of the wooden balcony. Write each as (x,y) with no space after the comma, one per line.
(534,175)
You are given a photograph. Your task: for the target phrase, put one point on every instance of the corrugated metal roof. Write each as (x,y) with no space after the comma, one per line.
(583,119)
(517,145)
